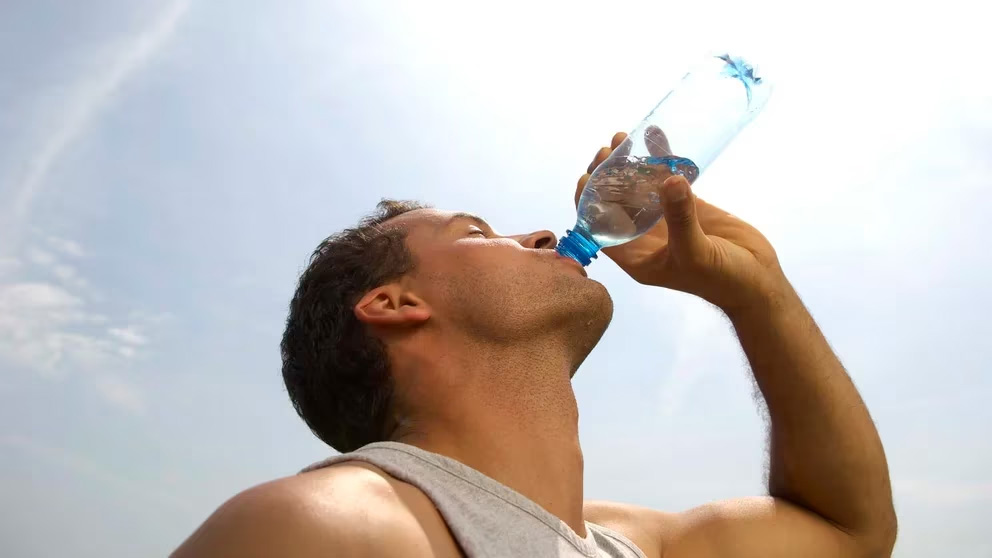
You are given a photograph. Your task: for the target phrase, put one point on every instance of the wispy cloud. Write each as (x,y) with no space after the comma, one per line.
(90,97)
(39,328)
(47,329)
(66,273)
(66,246)
(128,335)
(50,325)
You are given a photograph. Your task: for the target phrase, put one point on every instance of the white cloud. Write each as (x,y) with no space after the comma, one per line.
(51,329)
(46,328)
(40,300)
(128,335)
(91,96)
(67,247)
(39,325)
(65,273)
(120,393)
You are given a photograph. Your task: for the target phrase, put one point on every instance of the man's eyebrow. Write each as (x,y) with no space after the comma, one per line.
(461,215)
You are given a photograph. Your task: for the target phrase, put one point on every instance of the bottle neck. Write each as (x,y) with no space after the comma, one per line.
(578,245)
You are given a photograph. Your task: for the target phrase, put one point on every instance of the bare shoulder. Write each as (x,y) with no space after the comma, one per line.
(349,509)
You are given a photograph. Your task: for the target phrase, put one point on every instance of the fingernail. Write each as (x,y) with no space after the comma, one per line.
(676,189)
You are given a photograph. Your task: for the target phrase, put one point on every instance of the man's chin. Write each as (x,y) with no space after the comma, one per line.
(589,321)
(599,299)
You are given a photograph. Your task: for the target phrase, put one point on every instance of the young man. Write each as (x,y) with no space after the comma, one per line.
(445,352)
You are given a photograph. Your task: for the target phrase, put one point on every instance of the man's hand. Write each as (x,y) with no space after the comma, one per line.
(697,248)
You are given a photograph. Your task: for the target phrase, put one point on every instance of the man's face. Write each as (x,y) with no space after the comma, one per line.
(501,288)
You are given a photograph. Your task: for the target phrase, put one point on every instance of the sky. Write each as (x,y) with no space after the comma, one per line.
(166,167)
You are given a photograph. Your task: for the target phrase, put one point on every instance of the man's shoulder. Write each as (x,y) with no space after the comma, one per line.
(338,495)
(346,509)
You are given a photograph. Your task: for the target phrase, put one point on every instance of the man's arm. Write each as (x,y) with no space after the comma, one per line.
(825,454)
(828,483)
(829,493)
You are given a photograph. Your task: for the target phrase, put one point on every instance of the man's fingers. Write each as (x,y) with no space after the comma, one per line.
(618,139)
(601,155)
(618,146)
(657,142)
(621,147)
(581,186)
(686,240)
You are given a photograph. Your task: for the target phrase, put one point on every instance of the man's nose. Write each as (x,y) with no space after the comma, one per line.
(539,240)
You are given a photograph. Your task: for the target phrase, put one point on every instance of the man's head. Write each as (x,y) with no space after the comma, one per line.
(411,278)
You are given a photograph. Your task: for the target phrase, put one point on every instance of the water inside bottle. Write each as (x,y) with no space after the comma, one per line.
(683,135)
(622,199)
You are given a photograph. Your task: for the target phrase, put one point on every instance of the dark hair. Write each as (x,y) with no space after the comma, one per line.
(336,372)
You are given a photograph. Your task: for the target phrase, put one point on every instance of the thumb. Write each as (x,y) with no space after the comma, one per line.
(686,241)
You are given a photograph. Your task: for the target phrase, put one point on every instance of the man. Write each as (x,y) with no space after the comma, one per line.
(450,349)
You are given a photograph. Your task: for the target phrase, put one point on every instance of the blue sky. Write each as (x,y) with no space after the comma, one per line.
(167,165)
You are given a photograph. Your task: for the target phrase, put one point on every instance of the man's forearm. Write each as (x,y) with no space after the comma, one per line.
(826,455)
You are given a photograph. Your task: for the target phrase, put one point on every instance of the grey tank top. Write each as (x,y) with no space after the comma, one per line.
(487,519)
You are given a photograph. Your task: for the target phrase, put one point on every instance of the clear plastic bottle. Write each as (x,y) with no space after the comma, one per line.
(682,135)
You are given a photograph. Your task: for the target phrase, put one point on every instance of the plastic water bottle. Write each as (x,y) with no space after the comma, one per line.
(682,135)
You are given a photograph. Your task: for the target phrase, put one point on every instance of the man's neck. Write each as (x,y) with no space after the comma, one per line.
(513,417)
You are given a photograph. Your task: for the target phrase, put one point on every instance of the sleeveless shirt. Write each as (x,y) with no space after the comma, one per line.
(486,518)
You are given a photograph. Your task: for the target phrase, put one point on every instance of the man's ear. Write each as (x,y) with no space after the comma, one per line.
(392,305)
